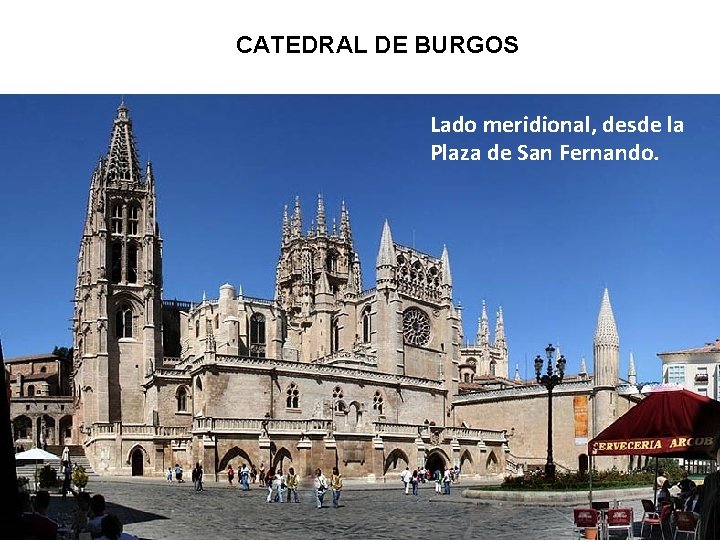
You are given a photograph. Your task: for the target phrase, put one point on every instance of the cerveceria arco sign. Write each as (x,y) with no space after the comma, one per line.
(651,446)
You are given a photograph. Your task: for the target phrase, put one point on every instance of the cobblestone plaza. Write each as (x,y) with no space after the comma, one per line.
(155,510)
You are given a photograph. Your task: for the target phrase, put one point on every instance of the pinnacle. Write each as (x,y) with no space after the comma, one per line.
(606,330)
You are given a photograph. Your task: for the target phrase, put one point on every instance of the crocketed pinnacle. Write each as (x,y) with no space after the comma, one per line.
(483,337)
(606,330)
(296,228)
(445,259)
(386,253)
(122,158)
(320,217)
(499,328)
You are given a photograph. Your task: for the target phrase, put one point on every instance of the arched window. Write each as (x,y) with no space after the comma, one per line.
(334,336)
(293,397)
(492,368)
(181,397)
(337,398)
(133,219)
(116,219)
(366,324)
(217,322)
(132,260)
(116,262)
(378,402)
(466,377)
(124,321)
(31,390)
(331,262)
(257,335)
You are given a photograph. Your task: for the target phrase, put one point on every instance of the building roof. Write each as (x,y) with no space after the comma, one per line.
(707,348)
(31,358)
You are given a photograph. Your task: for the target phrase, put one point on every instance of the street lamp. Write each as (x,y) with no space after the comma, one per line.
(550,380)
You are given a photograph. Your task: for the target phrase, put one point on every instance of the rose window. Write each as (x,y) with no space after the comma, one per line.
(416,327)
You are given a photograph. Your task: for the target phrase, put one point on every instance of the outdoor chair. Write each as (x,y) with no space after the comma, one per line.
(586,519)
(685,524)
(619,519)
(650,517)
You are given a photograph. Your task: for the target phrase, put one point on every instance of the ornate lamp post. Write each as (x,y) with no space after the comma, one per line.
(550,380)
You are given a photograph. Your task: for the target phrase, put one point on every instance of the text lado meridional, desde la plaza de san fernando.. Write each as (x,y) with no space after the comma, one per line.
(543,125)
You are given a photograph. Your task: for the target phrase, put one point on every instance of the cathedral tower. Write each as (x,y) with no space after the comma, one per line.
(117,335)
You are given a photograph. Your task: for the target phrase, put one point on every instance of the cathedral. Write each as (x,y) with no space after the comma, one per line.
(325,373)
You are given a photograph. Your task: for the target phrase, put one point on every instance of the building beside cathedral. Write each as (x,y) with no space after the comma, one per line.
(322,374)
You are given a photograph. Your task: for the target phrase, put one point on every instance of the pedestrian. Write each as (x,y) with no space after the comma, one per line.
(230,475)
(269,484)
(457,474)
(292,483)
(178,473)
(447,480)
(253,474)
(437,476)
(279,484)
(199,477)
(709,528)
(244,476)
(67,476)
(405,477)
(321,487)
(169,474)
(262,475)
(336,483)
(415,480)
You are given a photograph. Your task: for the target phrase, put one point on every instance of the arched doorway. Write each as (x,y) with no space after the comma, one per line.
(66,430)
(237,456)
(279,462)
(583,463)
(435,462)
(466,461)
(137,459)
(397,460)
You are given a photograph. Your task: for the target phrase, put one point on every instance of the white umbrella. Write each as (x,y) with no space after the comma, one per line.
(36,454)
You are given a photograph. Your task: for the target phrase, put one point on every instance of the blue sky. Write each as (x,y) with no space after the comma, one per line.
(541,239)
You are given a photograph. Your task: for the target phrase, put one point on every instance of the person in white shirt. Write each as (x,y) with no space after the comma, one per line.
(406,476)
(321,486)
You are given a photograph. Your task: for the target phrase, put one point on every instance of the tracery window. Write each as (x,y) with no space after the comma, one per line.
(133,219)
(366,325)
(132,263)
(116,219)
(334,336)
(378,402)
(293,397)
(416,327)
(116,262)
(257,335)
(337,399)
(123,321)
(181,396)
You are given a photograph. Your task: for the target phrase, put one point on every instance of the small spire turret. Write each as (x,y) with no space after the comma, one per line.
(321,226)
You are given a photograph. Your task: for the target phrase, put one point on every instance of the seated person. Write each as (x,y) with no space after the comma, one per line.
(692,504)
(112,529)
(82,512)
(36,524)
(97,513)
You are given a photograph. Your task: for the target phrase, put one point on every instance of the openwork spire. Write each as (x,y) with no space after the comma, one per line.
(499,328)
(606,330)
(483,337)
(285,225)
(345,232)
(321,226)
(123,164)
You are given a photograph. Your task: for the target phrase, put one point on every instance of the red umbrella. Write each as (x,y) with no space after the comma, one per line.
(667,423)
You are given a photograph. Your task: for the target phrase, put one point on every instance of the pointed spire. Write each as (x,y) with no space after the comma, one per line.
(499,329)
(446,275)
(483,335)
(345,232)
(583,367)
(606,330)
(334,229)
(321,226)
(122,157)
(386,253)
(517,373)
(149,176)
(285,226)
(632,374)
(323,284)
(296,229)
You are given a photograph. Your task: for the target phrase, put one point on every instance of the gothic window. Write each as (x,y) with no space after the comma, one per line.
(466,377)
(337,399)
(366,324)
(116,219)
(133,219)
(416,327)
(116,262)
(31,390)
(132,259)
(331,262)
(257,335)
(334,336)
(378,402)
(123,322)
(293,397)
(217,322)
(492,367)
(197,328)
(181,397)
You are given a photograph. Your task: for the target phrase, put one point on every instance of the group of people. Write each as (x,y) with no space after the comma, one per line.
(244,475)
(90,518)
(442,479)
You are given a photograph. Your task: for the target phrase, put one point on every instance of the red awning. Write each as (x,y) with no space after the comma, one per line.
(667,423)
